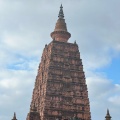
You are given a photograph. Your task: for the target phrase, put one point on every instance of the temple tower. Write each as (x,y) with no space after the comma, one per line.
(60,90)
(108,117)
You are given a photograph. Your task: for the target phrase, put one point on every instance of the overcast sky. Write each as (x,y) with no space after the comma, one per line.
(25,27)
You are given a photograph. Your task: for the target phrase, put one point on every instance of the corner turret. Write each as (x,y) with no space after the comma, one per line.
(14,117)
(108,117)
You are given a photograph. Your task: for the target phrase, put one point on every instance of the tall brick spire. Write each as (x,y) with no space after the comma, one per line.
(60,32)
(60,90)
(61,14)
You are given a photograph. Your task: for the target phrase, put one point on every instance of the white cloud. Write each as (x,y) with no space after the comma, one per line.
(103,94)
(115,100)
(8,83)
(16,91)
(24,30)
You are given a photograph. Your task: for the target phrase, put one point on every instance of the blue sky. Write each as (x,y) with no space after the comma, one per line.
(25,28)
(112,70)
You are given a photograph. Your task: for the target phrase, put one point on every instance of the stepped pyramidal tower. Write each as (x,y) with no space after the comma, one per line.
(60,91)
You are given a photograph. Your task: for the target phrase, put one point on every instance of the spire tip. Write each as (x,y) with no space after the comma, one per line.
(61,6)
(14,116)
(61,14)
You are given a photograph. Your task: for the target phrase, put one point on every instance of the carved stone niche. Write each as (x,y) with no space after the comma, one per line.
(79,101)
(67,79)
(55,113)
(67,74)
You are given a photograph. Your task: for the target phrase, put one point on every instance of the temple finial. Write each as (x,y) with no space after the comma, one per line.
(61,14)
(108,112)
(14,117)
(60,32)
(108,117)
(61,6)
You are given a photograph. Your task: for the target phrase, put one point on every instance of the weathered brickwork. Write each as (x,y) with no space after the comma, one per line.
(33,114)
(60,87)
